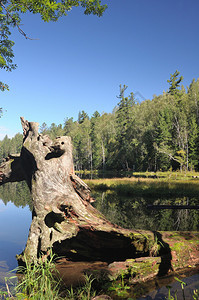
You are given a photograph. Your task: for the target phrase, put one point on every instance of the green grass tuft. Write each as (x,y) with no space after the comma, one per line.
(158,187)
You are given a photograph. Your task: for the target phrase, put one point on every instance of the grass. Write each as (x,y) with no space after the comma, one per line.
(83,293)
(138,186)
(186,175)
(38,281)
(41,281)
(120,288)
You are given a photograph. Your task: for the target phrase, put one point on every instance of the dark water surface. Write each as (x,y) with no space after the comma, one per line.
(133,212)
(128,212)
(161,291)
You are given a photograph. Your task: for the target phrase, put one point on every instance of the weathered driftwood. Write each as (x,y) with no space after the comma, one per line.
(63,218)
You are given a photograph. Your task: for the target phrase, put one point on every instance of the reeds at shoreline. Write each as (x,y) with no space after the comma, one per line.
(150,187)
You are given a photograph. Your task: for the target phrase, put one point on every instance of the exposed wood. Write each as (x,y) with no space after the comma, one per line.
(63,218)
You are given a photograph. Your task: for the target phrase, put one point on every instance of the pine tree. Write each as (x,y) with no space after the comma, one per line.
(174,83)
(82,116)
(124,121)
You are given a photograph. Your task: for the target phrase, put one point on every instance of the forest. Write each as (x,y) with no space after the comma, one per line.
(153,135)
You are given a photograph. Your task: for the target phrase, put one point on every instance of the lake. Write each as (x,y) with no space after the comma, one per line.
(15,220)
(14,227)
(132,212)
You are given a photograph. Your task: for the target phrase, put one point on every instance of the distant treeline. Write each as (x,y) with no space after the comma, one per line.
(157,134)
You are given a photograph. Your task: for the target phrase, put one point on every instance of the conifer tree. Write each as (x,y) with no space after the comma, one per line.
(82,116)
(174,83)
(124,121)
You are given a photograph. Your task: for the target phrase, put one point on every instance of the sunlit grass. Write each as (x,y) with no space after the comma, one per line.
(41,281)
(176,175)
(157,186)
(38,281)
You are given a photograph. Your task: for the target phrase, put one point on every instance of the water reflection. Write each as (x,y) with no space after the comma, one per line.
(17,193)
(14,227)
(128,212)
(160,290)
(132,212)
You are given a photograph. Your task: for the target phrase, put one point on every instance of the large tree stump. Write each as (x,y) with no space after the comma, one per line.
(63,218)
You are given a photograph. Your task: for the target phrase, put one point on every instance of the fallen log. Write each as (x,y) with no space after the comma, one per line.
(63,219)
(180,259)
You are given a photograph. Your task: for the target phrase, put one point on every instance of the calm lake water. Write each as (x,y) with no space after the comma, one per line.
(15,220)
(14,227)
(132,212)
(161,291)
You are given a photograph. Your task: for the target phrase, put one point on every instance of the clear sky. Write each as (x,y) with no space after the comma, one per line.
(79,62)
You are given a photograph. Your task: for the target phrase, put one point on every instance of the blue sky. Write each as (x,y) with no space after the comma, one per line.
(79,62)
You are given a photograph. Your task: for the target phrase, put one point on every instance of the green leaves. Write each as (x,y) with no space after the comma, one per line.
(3,87)
(6,51)
(93,7)
(6,45)
(2,61)
(52,10)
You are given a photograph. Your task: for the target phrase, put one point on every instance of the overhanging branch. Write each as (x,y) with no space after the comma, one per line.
(15,22)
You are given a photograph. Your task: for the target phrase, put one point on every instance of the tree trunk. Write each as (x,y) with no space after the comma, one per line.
(63,218)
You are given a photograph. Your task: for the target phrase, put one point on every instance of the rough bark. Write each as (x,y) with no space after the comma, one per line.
(63,218)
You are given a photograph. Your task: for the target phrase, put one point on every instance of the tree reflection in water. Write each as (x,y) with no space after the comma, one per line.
(129,212)
(132,212)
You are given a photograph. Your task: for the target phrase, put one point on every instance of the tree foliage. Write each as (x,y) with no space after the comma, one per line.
(174,83)
(6,50)
(160,134)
